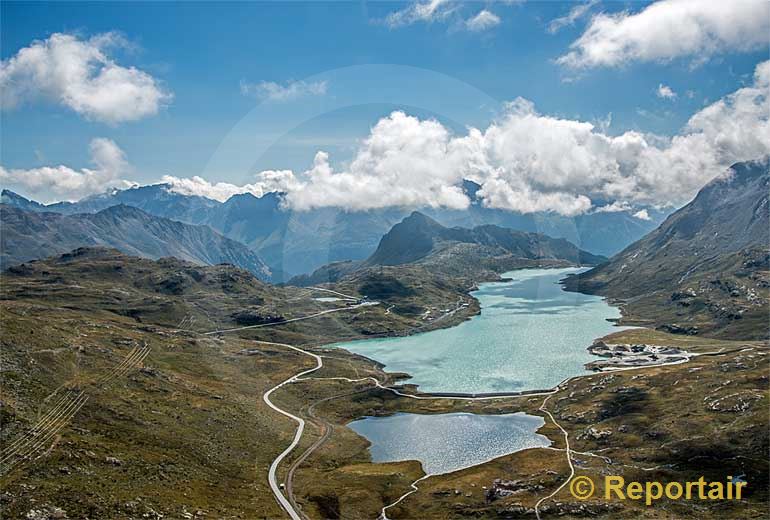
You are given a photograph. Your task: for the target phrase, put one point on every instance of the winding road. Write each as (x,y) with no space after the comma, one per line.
(326,430)
(271,476)
(287,501)
(568,452)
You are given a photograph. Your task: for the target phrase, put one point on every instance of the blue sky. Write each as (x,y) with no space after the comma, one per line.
(202,53)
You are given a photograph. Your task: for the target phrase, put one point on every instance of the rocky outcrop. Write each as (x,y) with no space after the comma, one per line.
(252,317)
(502,488)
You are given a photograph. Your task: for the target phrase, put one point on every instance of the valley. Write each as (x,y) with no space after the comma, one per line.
(99,307)
(329,471)
(195,391)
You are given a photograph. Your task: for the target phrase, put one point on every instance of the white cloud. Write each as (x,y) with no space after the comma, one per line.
(502,194)
(276,92)
(482,21)
(527,161)
(616,207)
(430,11)
(49,183)
(199,186)
(574,14)
(80,75)
(670,29)
(403,162)
(427,12)
(665,92)
(642,215)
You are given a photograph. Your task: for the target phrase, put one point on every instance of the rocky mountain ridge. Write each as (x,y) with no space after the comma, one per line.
(32,235)
(706,268)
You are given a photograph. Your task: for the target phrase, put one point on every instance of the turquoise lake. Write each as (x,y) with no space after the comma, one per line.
(448,442)
(530,335)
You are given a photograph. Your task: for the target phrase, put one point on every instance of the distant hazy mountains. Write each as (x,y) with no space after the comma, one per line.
(420,240)
(297,242)
(602,233)
(29,235)
(705,269)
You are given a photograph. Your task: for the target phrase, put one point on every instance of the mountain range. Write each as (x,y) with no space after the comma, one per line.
(705,269)
(483,251)
(300,242)
(29,235)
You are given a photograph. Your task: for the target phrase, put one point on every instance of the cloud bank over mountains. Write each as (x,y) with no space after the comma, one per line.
(55,183)
(80,75)
(524,161)
(527,161)
(220,191)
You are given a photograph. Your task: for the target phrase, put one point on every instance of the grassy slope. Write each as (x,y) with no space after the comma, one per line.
(192,432)
(723,298)
(188,423)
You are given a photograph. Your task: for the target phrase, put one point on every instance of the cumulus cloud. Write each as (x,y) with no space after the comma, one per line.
(403,162)
(426,12)
(574,14)
(80,75)
(642,215)
(670,29)
(64,183)
(410,162)
(482,21)
(665,92)
(199,186)
(527,161)
(268,90)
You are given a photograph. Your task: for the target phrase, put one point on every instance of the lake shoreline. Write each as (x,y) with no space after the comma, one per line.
(415,359)
(600,364)
(449,442)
